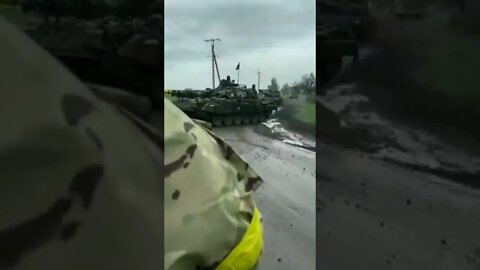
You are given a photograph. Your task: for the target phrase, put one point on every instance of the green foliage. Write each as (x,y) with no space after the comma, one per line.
(307,113)
(308,84)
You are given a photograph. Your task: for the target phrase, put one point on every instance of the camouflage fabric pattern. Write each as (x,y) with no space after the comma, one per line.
(208,194)
(81,182)
(82,179)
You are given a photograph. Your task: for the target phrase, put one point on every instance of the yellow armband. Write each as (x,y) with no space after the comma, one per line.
(246,254)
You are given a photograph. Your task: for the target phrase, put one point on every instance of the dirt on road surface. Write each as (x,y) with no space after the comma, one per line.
(375,215)
(286,199)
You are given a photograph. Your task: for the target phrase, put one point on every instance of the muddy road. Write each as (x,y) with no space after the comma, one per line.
(398,182)
(375,215)
(392,195)
(286,199)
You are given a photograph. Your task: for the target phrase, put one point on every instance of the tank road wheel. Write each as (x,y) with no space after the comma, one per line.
(246,119)
(217,121)
(237,120)
(228,120)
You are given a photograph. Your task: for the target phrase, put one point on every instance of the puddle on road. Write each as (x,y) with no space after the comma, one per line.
(276,130)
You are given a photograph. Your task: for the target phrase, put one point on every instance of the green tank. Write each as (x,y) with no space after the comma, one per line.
(270,95)
(88,9)
(118,53)
(228,104)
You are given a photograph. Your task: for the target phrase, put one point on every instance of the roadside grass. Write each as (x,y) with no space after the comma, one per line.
(306,113)
(453,65)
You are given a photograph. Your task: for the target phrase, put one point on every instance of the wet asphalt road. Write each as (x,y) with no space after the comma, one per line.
(374,215)
(286,199)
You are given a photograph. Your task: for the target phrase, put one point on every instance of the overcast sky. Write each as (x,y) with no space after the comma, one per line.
(275,36)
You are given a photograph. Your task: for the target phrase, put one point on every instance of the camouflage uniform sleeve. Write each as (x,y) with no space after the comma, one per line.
(81,180)
(208,194)
(80,183)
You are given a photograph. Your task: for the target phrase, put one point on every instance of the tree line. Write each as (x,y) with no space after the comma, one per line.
(306,85)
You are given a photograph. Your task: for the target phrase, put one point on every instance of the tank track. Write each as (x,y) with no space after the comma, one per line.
(219,120)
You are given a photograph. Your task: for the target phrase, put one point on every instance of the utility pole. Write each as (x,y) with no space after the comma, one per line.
(258,73)
(214,62)
(216,65)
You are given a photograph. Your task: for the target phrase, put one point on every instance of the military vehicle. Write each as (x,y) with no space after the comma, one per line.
(228,104)
(407,10)
(334,43)
(89,9)
(352,14)
(106,51)
(341,27)
(293,95)
(273,96)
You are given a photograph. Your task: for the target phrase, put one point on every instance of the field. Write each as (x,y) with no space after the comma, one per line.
(306,113)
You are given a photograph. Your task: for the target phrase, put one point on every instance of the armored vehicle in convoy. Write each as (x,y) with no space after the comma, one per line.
(228,104)
(123,54)
(271,95)
(352,14)
(293,96)
(342,25)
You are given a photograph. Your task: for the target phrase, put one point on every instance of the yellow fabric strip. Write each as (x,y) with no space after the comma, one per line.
(246,254)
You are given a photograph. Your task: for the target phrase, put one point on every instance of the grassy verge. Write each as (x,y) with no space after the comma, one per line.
(306,113)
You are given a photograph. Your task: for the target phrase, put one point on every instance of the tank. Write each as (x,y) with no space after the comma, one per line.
(341,27)
(118,53)
(228,104)
(353,14)
(272,96)
(89,9)
(333,44)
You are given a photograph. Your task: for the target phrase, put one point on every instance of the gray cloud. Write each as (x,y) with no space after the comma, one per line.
(276,36)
